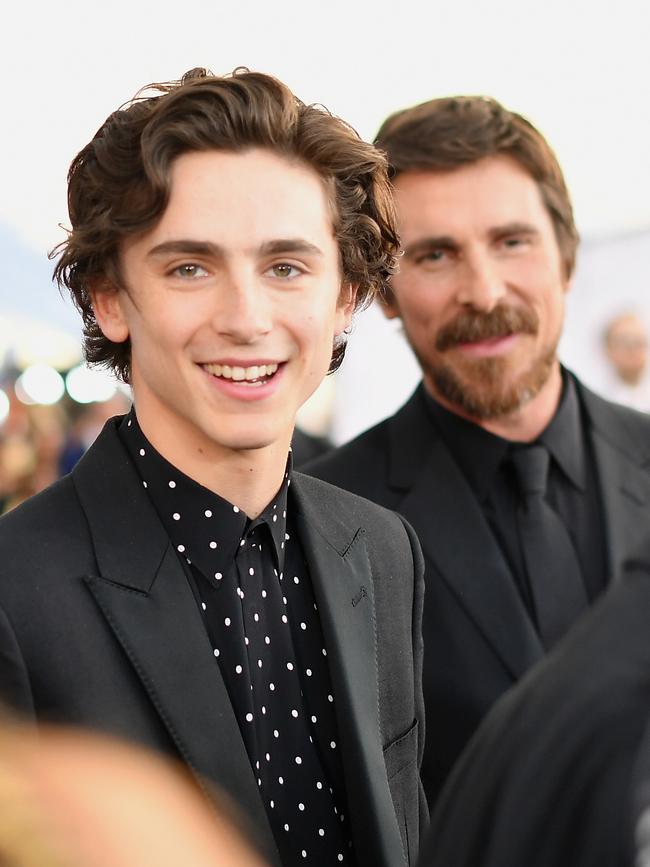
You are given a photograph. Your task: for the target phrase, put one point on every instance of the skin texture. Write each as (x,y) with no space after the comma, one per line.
(242,269)
(481,293)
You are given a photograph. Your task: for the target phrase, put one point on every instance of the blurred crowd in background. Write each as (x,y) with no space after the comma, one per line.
(49,416)
(44,429)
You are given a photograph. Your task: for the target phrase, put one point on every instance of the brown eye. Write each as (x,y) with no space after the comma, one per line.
(284,270)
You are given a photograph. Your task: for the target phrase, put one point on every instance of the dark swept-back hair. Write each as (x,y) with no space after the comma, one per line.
(445,134)
(119,184)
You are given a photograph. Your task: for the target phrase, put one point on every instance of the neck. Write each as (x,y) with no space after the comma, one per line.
(247,478)
(528,421)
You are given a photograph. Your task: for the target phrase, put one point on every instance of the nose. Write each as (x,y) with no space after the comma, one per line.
(481,286)
(243,312)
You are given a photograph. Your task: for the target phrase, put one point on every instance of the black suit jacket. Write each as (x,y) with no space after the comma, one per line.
(99,627)
(478,637)
(554,775)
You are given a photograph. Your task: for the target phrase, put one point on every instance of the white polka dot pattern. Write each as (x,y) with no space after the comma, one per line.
(269,647)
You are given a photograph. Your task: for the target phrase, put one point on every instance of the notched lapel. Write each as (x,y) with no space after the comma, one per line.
(625,493)
(162,634)
(343,587)
(621,445)
(144,594)
(457,540)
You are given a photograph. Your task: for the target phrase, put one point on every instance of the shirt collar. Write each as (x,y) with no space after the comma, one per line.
(479,453)
(204,527)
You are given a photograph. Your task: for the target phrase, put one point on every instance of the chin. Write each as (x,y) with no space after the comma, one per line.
(491,388)
(249,440)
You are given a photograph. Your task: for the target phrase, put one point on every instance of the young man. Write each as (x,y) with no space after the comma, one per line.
(526,490)
(183,587)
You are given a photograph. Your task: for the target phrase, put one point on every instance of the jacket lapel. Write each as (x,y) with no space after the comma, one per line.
(456,538)
(144,594)
(622,464)
(343,587)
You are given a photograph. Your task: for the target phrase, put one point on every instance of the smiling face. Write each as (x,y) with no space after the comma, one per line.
(231,303)
(481,286)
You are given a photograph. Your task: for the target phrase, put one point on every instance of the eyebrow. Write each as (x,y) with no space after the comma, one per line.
(189,247)
(448,242)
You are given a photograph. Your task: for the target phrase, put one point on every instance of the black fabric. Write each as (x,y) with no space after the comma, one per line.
(554,775)
(552,567)
(99,628)
(479,636)
(572,489)
(253,590)
(307,447)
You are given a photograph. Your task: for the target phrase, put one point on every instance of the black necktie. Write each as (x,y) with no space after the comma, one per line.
(551,561)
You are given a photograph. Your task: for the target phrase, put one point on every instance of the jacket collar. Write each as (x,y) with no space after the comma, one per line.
(142,590)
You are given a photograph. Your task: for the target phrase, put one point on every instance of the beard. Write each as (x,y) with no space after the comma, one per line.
(483,388)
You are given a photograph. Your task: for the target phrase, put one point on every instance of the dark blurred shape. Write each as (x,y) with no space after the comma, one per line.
(306,446)
(551,777)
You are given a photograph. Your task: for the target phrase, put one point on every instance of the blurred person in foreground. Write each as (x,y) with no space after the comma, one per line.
(625,341)
(558,774)
(72,799)
(525,489)
(183,587)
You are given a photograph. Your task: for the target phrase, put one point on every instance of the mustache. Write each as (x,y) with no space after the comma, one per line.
(470,326)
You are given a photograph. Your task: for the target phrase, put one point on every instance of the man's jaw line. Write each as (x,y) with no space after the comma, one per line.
(523,423)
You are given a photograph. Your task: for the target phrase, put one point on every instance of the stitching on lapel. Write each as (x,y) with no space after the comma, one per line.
(118,585)
(358,535)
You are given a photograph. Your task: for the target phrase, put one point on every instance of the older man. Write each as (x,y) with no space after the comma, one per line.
(526,490)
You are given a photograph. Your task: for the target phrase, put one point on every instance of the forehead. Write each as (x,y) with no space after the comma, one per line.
(252,195)
(494,191)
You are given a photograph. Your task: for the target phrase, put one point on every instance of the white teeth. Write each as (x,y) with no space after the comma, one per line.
(241,374)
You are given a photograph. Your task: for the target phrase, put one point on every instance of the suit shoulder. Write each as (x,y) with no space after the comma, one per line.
(624,427)
(47,522)
(345,504)
(355,465)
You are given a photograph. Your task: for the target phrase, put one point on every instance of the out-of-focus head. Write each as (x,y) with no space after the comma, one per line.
(73,799)
(119,185)
(445,134)
(489,245)
(626,345)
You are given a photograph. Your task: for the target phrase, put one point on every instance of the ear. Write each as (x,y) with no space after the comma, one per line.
(345,307)
(109,313)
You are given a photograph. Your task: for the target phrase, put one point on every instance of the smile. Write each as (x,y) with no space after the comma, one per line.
(255,375)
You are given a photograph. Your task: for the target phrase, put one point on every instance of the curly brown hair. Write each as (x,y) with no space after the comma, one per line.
(444,134)
(119,184)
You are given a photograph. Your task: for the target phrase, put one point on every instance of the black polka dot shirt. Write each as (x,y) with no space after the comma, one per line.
(252,586)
